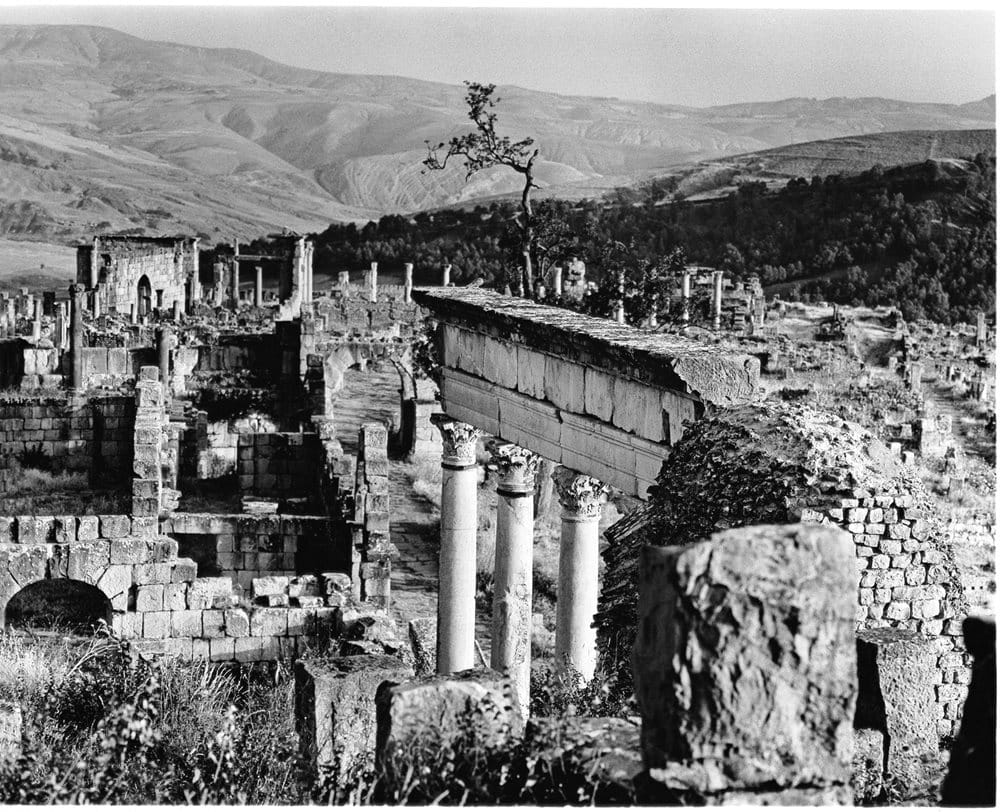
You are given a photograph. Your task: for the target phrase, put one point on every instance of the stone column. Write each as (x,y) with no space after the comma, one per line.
(258,287)
(95,303)
(557,280)
(686,297)
(446,276)
(11,317)
(176,308)
(163,340)
(457,568)
(307,273)
(407,281)
(620,303)
(236,283)
(581,498)
(76,336)
(36,323)
(717,300)
(62,325)
(373,283)
(511,640)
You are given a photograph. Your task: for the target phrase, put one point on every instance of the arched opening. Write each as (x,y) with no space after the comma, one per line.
(58,604)
(144,296)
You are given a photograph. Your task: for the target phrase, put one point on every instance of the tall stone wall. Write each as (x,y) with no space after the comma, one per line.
(119,264)
(374,550)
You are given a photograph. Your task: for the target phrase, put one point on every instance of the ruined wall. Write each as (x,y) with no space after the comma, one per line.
(243,547)
(777,464)
(157,599)
(373,549)
(350,312)
(92,435)
(279,465)
(119,264)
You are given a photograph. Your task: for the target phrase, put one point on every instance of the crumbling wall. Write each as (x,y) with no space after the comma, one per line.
(242,547)
(373,549)
(779,463)
(280,465)
(93,435)
(349,311)
(118,264)
(157,599)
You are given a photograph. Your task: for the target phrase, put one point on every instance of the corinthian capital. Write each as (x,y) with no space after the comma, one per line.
(459,440)
(517,466)
(581,496)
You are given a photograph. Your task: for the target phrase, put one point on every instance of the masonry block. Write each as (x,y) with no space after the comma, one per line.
(115,527)
(155,625)
(149,598)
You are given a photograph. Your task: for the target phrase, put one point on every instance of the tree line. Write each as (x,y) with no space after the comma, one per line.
(920,237)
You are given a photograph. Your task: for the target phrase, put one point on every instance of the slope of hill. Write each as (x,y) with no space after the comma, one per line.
(100,130)
(835,156)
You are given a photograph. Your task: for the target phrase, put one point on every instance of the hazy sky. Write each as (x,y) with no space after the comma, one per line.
(695,57)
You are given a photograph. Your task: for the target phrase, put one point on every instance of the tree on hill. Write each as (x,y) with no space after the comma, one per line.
(483,149)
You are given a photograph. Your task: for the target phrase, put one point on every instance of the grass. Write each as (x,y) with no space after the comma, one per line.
(34,491)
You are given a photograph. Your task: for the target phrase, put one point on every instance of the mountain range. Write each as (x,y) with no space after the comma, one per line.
(102,131)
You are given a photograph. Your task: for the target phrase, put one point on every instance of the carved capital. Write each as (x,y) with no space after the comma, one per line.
(581,496)
(459,440)
(517,466)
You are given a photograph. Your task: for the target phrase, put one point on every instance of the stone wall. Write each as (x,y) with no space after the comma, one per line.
(157,599)
(120,262)
(353,313)
(280,465)
(242,547)
(371,515)
(93,435)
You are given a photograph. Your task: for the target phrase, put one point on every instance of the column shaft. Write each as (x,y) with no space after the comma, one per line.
(511,639)
(258,287)
(576,641)
(457,561)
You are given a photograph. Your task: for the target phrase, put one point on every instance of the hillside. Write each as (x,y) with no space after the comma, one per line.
(103,131)
(847,156)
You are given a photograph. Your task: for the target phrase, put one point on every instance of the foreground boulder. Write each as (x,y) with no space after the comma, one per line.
(744,663)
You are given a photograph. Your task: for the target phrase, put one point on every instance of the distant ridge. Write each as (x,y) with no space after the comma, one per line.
(158,137)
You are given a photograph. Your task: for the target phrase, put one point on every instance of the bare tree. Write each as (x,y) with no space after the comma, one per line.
(483,149)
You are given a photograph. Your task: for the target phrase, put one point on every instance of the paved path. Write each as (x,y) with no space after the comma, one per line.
(374,396)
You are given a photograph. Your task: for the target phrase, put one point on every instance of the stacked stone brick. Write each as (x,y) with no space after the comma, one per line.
(245,547)
(279,464)
(158,601)
(374,550)
(150,419)
(780,463)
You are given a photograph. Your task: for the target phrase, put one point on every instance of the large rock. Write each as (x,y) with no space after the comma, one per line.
(866,771)
(897,669)
(335,710)
(467,709)
(744,659)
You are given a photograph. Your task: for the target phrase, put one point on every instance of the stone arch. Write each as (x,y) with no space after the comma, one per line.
(143,296)
(58,604)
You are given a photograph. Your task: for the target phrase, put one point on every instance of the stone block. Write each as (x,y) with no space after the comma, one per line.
(531,373)
(222,649)
(897,669)
(744,659)
(149,598)
(186,623)
(564,384)
(129,551)
(175,597)
(151,574)
(271,585)
(183,570)
(237,623)
(115,527)
(452,701)
(202,592)
(115,582)
(155,625)
(335,710)
(268,622)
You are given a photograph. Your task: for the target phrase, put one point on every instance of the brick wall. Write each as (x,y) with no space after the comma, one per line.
(280,464)
(157,599)
(77,434)
(244,547)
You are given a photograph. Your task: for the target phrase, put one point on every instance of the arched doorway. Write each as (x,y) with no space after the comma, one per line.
(143,297)
(58,604)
